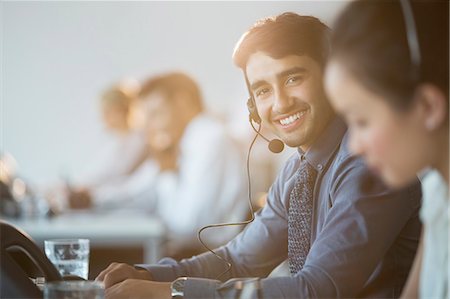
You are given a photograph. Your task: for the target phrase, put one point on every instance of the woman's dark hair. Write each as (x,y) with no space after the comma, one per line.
(284,35)
(370,38)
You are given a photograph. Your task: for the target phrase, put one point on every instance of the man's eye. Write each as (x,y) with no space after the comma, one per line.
(293,79)
(261,92)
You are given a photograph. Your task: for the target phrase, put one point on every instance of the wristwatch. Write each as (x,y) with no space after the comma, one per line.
(177,287)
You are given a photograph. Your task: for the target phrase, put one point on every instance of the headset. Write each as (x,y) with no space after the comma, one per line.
(412,38)
(252,111)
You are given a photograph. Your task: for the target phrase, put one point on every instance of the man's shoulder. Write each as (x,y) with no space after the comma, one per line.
(349,171)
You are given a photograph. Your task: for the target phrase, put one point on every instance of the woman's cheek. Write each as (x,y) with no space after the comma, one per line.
(378,143)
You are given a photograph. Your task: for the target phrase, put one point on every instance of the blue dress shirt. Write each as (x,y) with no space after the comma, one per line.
(363,240)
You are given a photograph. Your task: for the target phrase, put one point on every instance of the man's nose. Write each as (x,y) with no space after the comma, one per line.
(283,101)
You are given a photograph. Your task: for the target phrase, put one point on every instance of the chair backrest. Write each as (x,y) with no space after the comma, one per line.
(15,281)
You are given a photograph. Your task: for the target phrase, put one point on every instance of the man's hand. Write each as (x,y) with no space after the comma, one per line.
(136,289)
(117,272)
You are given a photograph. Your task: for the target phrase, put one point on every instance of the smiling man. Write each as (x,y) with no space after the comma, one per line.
(341,240)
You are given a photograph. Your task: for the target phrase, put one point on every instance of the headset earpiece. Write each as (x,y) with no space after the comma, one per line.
(253,112)
(275,145)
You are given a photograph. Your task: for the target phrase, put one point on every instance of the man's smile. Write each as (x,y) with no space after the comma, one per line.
(290,121)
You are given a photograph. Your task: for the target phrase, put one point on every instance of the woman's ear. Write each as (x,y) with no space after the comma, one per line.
(433,104)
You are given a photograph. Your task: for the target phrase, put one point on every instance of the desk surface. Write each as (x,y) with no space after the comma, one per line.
(118,229)
(98,227)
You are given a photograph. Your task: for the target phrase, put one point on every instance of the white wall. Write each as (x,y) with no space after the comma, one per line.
(58,56)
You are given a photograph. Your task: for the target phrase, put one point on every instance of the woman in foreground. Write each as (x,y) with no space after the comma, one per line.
(388,77)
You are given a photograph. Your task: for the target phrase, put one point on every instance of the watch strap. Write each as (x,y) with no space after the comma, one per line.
(177,287)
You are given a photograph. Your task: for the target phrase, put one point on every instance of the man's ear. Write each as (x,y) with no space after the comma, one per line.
(433,104)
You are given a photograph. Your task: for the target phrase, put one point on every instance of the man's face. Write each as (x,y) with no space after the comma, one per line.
(289,96)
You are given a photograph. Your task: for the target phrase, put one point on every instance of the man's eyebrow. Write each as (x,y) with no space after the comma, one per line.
(257,84)
(293,70)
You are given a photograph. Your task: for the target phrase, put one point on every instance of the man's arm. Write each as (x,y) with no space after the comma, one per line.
(357,234)
(358,231)
(250,257)
(252,253)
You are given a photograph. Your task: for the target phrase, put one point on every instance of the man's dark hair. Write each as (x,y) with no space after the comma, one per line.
(171,84)
(284,35)
(370,38)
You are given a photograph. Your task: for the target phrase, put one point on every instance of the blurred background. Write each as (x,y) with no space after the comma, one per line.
(58,56)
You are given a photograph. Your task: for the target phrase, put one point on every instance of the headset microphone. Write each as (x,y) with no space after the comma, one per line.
(275,145)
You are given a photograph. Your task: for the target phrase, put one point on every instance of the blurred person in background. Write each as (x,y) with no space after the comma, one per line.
(118,158)
(193,175)
(389,78)
(201,177)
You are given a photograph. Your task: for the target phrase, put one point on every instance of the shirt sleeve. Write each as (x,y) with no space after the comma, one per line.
(135,190)
(251,253)
(116,158)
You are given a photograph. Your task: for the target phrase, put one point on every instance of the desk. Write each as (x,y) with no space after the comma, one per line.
(115,229)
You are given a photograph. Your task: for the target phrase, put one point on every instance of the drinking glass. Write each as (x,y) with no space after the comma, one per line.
(70,256)
(74,290)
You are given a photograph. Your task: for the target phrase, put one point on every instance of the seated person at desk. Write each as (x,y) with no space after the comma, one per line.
(341,240)
(201,178)
(120,157)
(195,174)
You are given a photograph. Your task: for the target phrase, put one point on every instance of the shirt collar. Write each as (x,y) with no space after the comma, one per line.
(322,150)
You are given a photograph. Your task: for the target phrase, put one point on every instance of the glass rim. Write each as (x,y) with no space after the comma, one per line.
(66,241)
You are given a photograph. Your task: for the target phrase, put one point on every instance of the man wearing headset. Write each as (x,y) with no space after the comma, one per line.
(343,232)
